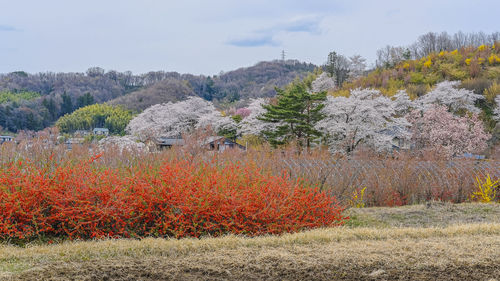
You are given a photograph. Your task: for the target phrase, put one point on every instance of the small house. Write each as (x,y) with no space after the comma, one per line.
(220,143)
(399,143)
(169,142)
(399,137)
(6,139)
(100,131)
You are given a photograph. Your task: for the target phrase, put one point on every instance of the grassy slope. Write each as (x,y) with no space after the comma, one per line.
(377,250)
(477,67)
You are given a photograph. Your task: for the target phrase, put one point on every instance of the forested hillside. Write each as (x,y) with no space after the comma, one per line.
(36,101)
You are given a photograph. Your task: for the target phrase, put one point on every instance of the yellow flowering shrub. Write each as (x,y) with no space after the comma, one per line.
(480,60)
(486,190)
(493,59)
(468,61)
(428,63)
(481,48)
(356,200)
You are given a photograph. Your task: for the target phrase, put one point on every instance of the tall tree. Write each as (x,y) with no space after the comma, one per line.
(297,111)
(86,99)
(51,107)
(209,89)
(66,104)
(338,66)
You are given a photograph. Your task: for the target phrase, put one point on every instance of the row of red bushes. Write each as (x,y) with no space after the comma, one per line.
(179,199)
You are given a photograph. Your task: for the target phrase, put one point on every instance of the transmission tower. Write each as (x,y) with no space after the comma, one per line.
(283,55)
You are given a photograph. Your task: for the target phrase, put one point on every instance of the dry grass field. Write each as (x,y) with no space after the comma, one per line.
(422,242)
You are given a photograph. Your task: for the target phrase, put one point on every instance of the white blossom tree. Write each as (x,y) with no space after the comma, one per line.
(446,93)
(323,83)
(123,143)
(357,66)
(173,119)
(402,104)
(250,125)
(366,117)
(219,123)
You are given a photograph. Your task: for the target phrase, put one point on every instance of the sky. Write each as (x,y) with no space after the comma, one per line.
(207,37)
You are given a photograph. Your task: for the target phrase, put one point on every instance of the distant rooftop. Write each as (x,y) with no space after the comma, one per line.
(170,141)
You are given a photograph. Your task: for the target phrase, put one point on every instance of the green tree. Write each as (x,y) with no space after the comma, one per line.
(85,100)
(66,104)
(337,66)
(297,110)
(51,107)
(209,89)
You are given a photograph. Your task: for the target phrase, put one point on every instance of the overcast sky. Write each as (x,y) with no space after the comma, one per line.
(209,36)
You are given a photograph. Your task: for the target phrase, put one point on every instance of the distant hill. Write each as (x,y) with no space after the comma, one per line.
(166,90)
(57,94)
(256,81)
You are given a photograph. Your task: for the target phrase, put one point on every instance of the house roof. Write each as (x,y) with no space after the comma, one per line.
(101,129)
(213,139)
(170,141)
(75,140)
(6,137)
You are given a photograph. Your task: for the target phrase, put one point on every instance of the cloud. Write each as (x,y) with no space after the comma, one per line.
(303,24)
(8,28)
(254,41)
(266,36)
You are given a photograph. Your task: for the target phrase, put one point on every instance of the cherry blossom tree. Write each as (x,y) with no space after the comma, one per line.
(446,93)
(243,112)
(127,142)
(251,125)
(366,117)
(173,119)
(402,104)
(357,66)
(438,129)
(323,83)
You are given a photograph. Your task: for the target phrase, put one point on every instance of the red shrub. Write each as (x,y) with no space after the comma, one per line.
(179,199)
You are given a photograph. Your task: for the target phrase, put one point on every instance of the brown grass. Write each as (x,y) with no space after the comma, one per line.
(389,181)
(455,252)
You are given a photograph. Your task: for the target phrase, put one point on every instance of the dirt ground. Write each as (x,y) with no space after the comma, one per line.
(371,248)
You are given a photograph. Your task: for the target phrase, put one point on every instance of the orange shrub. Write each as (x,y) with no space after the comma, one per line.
(180,198)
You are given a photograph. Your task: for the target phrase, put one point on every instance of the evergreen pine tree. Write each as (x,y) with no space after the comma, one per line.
(66,104)
(86,99)
(297,110)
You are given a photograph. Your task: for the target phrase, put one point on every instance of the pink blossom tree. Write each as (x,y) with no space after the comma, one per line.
(438,129)
(243,112)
